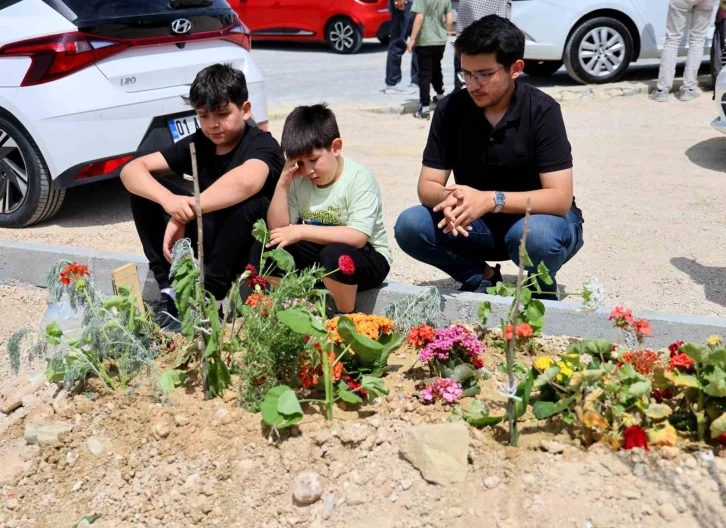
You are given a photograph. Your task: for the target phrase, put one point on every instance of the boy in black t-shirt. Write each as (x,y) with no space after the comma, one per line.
(238,167)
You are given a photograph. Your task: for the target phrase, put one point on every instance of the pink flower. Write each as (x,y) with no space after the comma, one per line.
(621,317)
(346,265)
(449,342)
(441,389)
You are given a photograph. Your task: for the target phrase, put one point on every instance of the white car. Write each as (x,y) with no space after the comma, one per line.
(596,39)
(720,97)
(86,85)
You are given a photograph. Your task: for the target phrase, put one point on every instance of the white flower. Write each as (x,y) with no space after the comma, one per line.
(586,359)
(593,295)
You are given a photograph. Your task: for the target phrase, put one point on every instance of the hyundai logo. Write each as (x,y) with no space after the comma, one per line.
(181,26)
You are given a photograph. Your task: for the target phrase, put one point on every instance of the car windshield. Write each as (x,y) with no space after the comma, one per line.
(77,10)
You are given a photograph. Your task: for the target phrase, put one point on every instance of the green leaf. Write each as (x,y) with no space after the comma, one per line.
(53,333)
(525,296)
(524,390)
(461,373)
(367,350)
(658,411)
(485,310)
(697,352)
(302,322)
(503,290)
(260,232)
(718,426)
(528,261)
(716,386)
(683,380)
(470,392)
(170,379)
(283,259)
(544,274)
(272,410)
(547,376)
(218,377)
(535,311)
(640,388)
(717,357)
(374,385)
(347,395)
(391,343)
(597,347)
(545,409)
(477,415)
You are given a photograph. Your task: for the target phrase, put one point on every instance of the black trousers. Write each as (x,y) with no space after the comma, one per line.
(371,268)
(429,71)
(227,238)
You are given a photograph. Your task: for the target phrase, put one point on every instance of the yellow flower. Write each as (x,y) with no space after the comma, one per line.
(714,341)
(544,363)
(565,370)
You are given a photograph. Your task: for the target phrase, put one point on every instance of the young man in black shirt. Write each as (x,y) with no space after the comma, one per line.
(238,167)
(505,142)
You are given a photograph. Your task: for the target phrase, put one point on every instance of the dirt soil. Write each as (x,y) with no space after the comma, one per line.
(649,178)
(185,462)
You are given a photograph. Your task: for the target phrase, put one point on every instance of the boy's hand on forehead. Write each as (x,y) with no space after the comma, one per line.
(290,172)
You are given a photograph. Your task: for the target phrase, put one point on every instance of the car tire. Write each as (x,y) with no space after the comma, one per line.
(343,36)
(384,40)
(546,68)
(599,51)
(22,165)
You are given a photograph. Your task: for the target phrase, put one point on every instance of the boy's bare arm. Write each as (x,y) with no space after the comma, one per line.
(236,186)
(278,215)
(449,21)
(138,179)
(323,235)
(417,24)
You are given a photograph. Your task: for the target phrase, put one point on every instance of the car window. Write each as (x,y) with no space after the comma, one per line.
(104,9)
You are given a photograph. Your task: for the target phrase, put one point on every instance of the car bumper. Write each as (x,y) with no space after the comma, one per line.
(719,125)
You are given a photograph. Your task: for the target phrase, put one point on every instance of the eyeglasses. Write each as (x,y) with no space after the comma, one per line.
(480,78)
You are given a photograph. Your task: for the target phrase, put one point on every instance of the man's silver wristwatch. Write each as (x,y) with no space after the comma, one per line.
(499,201)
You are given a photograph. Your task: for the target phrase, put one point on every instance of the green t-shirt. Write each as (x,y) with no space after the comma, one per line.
(433,31)
(353,201)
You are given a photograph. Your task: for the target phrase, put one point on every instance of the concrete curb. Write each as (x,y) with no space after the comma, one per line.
(29,262)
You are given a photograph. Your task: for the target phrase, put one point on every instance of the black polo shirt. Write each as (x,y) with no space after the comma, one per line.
(529,140)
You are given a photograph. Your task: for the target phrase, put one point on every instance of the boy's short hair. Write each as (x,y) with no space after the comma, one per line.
(216,86)
(492,34)
(308,128)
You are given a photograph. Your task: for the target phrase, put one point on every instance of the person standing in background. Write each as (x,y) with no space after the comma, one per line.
(701,12)
(717,46)
(429,36)
(470,11)
(401,25)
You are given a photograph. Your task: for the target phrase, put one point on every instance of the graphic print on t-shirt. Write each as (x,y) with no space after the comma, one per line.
(329,217)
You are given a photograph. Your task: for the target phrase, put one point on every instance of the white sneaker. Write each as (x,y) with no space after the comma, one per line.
(660,96)
(398,89)
(688,94)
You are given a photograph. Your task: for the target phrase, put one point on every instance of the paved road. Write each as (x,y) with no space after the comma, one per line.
(308,73)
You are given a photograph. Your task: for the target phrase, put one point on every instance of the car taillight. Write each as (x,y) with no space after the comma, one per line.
(60,55)
(99,168)
(57,56)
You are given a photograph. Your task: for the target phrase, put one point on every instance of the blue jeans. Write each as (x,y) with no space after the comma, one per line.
(552,239)
(401,26)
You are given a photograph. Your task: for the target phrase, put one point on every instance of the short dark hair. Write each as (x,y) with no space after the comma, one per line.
(308,128)
(216,86)
(492,34)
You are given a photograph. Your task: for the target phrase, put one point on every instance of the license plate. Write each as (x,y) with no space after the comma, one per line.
(182,127)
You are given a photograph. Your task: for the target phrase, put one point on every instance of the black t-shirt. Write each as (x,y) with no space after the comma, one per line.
(255,144)
(529,140)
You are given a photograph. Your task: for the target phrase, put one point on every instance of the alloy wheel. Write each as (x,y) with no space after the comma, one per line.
(13,175)
(602,51)
(342,36)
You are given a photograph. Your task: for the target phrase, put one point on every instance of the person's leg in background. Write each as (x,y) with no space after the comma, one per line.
(425,65)
(458,85)
(396,50)
(409,30)
(437,74)
(551,239)
(678,11)
(700,22)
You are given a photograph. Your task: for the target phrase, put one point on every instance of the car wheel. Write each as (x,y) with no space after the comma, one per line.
(541,68)
(384,40)
(27,195)
(599,51)
(344,36)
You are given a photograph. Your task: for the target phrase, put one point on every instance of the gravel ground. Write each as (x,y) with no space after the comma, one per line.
(651,198)
(20,305)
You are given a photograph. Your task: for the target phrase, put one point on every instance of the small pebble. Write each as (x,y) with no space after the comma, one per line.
(78,485)
(668,512)
(491,482)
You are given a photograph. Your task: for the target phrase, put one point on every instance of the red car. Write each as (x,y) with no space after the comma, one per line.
(343,24)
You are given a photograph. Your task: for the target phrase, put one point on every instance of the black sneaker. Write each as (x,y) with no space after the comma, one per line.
(549,292)
(491,281)
(437,98)
(167,316)
(421,114)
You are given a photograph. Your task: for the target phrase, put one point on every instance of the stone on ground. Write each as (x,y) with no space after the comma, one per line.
(439,451)
(45,433)
(306,489)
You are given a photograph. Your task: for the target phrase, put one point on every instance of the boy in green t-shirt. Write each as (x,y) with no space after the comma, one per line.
(430,33)
(326,207)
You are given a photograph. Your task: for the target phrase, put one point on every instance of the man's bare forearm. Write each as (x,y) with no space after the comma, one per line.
(278,215)
(431,193)
(543,201)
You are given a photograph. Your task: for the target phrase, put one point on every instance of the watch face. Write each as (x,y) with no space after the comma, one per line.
(499,198)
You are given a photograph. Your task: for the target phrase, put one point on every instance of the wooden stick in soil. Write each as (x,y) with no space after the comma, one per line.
(200,258)
(514,317)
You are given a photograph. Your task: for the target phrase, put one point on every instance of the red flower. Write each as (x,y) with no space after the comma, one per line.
(346,265)
(721,439)
(673,348)
(256,281)
(642,328)
(251,269)
(524,331)
(635,436)
(308,377)
(421,335)
(681,362)
(354,385)
(73,272)
(660,395)
(478,362)
(509,332)
(643,361)
(621,317)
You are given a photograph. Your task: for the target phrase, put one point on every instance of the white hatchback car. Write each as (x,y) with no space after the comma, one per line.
(86,85)
(720,97)
(596,39)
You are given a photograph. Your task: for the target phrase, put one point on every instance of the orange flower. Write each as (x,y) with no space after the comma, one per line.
(421,335)
(73,272)
(337,370)
(372,326)
(509,332)
(256,300)
(308,377)
(524,331)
